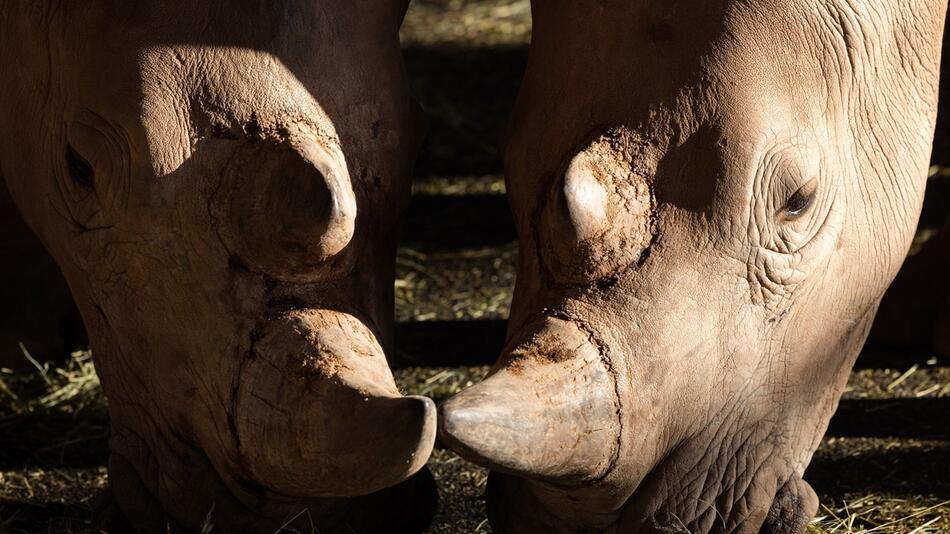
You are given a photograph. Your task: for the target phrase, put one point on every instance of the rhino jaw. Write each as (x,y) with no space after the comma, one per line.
(550,412)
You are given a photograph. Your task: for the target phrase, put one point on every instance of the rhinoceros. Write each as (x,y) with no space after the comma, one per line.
(219,183)
(711,198)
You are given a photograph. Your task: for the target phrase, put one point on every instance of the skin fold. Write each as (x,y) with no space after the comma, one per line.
(219,183)
(711,198)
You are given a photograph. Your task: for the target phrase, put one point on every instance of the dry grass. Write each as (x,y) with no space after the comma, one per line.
(492,184)
(454,22)
(438,383)
(51,412)
(53,440)
(72,388)
(881,514)
(57,395)
(455,285)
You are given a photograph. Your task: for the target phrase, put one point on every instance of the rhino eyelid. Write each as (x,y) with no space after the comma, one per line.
(79,169)
(799,202)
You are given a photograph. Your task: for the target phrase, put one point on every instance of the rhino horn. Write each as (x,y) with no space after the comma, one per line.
(318,413)
(549,412)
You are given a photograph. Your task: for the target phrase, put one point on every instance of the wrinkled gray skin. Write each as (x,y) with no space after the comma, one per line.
(219,182)
(711,198)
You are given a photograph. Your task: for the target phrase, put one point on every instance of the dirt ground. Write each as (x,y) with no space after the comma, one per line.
(883,467)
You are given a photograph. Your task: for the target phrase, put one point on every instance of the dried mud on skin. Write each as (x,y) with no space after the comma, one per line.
(883,467)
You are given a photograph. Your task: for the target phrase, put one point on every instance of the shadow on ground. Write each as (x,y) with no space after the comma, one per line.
(923,418)
(850,466)
(453,222)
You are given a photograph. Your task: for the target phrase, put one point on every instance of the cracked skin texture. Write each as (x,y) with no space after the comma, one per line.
(780,151)
(219,183)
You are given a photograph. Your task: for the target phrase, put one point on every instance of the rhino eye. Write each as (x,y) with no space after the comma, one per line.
(79,169)
(800,201)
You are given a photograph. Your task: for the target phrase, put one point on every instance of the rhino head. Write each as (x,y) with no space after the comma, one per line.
(711,198)
(219,183)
